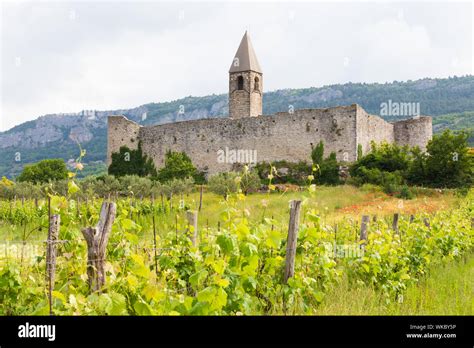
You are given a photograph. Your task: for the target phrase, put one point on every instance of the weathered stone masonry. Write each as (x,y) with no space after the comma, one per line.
(282,136)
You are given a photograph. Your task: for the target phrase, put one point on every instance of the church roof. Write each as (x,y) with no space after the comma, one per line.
(247,59)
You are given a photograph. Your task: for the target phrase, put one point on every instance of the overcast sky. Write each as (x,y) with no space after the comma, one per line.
(68,56)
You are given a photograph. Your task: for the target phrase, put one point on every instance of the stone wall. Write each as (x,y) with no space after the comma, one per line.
(414,132)
(372,128)
(282,136)
(121,132)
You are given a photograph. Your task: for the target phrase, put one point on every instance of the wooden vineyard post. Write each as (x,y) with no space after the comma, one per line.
(97,239)
(395,222)
(154,244)
(363,229)
(154,230)
(200,198)
(53,236)
(176,227)
(295,207)
(192,217)
(78,206)
(412,218)
(374,219)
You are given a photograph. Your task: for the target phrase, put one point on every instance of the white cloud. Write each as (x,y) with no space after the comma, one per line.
(110,55)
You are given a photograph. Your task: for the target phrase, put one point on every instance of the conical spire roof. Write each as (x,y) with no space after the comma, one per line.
(247,59)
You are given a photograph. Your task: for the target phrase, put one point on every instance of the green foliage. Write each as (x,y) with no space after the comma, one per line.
(131,162)
(386,157)
(325,171)
(449,163)
(224,183)
(446,163)
(317,154)
(286,172)
(405,193)
(383,166)
(359,151)
(236,270)
(417,171)
(178,165)
(329,171)
(44,171)
(249,181)
(457,122)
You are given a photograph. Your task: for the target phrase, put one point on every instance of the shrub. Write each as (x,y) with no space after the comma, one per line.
(286,172)
(317,154)
(131,162)
(405,193)
(178,165)
(371,188)
(224,183)
(417,171)
(44,171)
(449,163)
(250,181)
(178,186)
(107,184)
(135,185)
(385,157)
(329,171)
(359,151)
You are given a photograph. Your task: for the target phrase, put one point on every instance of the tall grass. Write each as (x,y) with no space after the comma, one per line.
(446,290)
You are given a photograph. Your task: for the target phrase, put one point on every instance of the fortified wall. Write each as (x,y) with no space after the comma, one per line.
(283,136)
(258,138)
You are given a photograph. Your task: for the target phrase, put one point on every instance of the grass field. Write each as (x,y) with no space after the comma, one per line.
(332,203)
(446,288)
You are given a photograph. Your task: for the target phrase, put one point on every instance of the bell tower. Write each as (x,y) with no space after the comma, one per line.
(245,82)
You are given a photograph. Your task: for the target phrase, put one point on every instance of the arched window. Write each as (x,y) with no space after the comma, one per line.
(256,84)
(240,83)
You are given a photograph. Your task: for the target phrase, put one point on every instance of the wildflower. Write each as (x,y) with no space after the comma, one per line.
(79,166)
(270,176)
(310,177)
(312,188)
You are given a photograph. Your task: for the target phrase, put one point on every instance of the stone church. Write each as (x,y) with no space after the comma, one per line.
(247,136)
